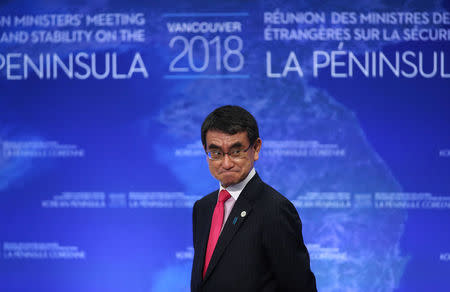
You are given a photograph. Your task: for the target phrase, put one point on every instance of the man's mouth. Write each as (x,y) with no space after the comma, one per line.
(228,172)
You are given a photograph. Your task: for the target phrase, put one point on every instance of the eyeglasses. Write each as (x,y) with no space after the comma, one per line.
(218,154)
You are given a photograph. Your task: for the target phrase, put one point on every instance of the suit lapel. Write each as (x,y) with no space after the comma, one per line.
(243,204)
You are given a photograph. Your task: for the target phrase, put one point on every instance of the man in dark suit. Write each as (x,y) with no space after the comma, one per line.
(247,236)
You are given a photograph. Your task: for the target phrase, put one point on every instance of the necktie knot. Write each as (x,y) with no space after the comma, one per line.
(224,195)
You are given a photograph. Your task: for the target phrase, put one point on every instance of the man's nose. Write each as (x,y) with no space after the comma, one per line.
(227,162)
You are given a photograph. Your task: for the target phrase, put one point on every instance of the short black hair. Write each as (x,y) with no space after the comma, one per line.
(231,119)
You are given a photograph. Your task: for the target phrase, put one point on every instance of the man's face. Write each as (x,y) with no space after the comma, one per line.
(231,171)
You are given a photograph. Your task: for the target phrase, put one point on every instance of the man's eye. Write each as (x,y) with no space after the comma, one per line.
(235,152)
(216,153)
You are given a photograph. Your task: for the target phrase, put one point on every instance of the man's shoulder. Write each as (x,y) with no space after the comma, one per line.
(272,194)
(211,197)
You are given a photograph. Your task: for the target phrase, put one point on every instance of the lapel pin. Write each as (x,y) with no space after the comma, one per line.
(243,214)
(234,220)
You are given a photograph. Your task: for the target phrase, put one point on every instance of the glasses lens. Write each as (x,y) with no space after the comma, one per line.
(236,154)
(215,155)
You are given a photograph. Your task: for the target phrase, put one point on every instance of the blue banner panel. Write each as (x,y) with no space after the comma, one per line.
(101,159)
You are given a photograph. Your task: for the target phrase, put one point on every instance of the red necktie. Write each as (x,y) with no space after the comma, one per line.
(216,226)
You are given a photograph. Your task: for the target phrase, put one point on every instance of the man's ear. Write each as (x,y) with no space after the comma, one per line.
(257,147)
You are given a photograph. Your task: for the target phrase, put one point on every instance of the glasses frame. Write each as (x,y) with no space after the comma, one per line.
(208,154)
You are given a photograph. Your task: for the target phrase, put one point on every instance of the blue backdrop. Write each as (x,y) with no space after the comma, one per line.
(100,154)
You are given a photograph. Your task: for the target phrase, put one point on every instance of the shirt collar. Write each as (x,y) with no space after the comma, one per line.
(235,190)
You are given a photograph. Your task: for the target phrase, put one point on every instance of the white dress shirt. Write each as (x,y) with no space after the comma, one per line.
(235,191)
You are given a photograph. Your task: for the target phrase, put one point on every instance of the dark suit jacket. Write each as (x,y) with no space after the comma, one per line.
(260,252)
